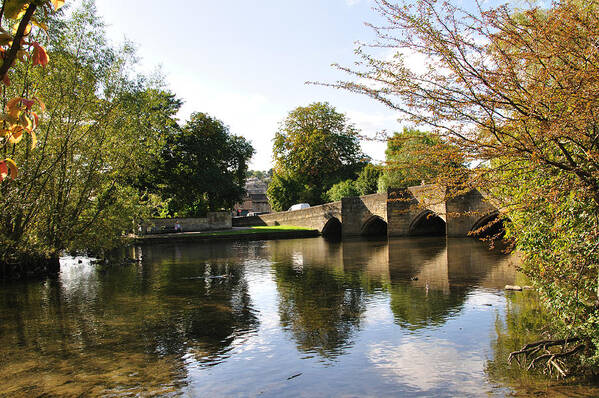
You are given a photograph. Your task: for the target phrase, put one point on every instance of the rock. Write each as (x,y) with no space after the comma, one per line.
(513,287)
(526,287)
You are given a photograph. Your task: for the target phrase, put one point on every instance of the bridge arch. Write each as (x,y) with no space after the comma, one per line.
(427,223)
(488,226)
(374,226)
(332,228)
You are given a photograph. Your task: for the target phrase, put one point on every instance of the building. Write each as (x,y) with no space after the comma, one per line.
(255,200)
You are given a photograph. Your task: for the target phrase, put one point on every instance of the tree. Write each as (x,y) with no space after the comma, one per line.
(205,167)
(317,145)
(74,190)
(414,156)
(516,91)
(367,181)
(283,191)
(343,189)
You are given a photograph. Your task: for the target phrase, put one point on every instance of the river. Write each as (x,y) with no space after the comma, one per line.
(302,317)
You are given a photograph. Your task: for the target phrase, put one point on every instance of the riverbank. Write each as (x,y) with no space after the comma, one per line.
(241,233)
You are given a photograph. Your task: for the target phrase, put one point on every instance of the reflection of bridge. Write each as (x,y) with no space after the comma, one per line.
(420,210)
(428,279)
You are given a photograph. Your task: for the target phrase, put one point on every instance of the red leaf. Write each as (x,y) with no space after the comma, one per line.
(40,56)
(3,170)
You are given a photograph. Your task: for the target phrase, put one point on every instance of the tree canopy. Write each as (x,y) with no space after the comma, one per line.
(318,147)
(343,189)
(74,189)
(205,167)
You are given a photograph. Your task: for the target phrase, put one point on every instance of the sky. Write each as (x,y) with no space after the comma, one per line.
(246,62)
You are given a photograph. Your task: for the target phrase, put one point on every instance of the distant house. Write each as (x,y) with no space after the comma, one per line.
(255,200)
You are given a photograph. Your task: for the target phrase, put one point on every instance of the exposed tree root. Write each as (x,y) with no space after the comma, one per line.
(541,352)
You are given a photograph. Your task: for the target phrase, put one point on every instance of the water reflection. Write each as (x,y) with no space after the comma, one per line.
(432,277)
(132,326)
(405,317)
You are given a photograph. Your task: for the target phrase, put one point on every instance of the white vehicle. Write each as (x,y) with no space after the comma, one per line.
(299,206)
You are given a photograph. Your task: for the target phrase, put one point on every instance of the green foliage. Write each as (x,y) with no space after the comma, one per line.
(283,191)
(411,158)
(259,174)
(343,189)
(557,230)
(74,191)
(367,181)
(319,147)
(205,167)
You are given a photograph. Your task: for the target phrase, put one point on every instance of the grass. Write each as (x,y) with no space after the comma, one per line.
(281,228)
(257,230)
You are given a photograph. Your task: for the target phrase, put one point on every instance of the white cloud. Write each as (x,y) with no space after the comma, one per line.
(425,365)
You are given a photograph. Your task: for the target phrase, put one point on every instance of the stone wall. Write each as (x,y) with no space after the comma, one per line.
(464,211)
(313,217)
(249,221)
(402,207)
(213,221)
(358,210)
(430,197)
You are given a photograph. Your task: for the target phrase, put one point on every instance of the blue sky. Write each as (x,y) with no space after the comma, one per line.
(246,62)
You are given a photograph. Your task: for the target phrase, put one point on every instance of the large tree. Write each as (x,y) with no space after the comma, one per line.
(74,189)
(205,167)
(517,91)
(319,147)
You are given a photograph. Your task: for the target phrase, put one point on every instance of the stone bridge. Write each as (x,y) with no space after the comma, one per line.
(413,211)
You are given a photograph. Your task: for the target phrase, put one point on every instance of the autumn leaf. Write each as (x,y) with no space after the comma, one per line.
(25,32)
(33,139)
(26,122)
(13,104)
(35,119)
(57,4)
(28,103)
(40,56)
(16,136)
(6,165)
(40,24)
(3,170)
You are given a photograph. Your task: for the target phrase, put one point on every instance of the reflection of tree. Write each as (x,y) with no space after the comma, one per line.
(126,326)
(524,322)
(415,308)
(322,309)
(209,307)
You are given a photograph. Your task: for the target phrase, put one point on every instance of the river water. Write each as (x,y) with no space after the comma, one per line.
(304,317)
